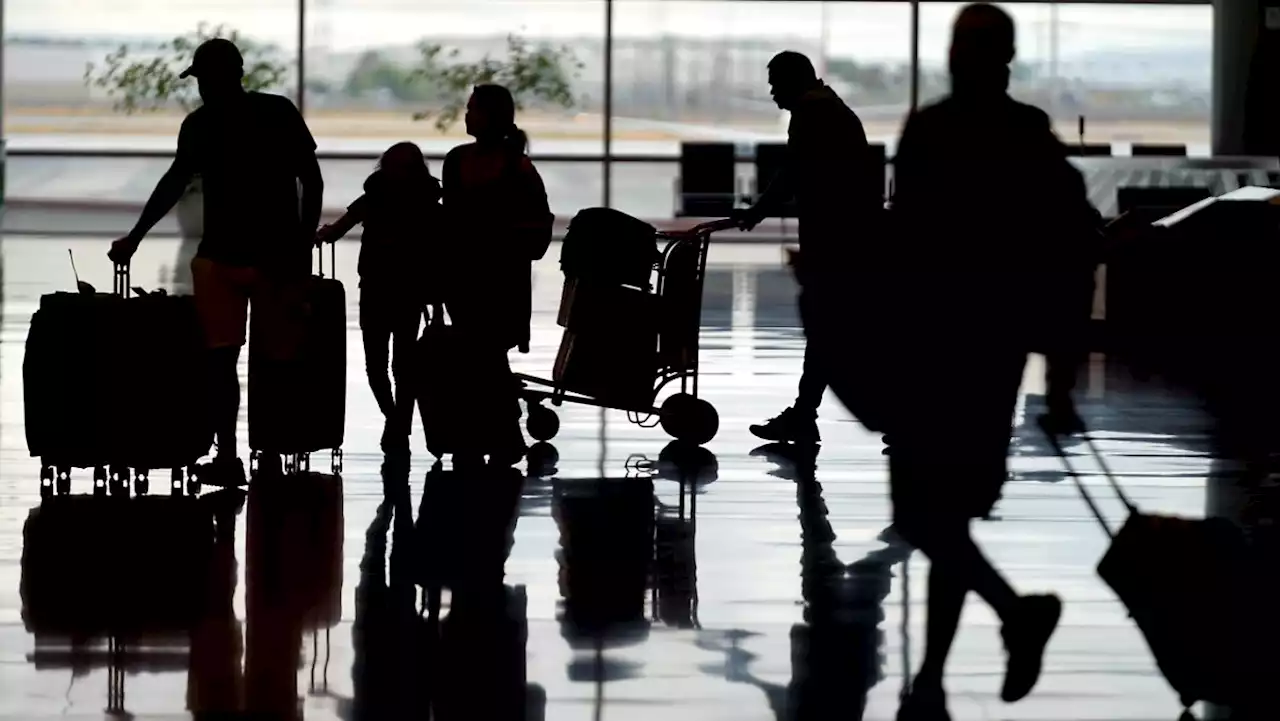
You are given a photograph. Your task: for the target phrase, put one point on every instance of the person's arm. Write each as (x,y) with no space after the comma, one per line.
(907,168)
(1074,262)
(306,166)
(172,184)
(354,216)
(782,186)
(167,193)
(535,224)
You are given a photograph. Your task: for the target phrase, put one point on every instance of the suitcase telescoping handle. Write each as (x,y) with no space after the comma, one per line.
(1129,505)
(333,260)
(120,280)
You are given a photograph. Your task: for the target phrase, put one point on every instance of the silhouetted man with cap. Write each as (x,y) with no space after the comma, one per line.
(828,173)
(994,239)
(252,152)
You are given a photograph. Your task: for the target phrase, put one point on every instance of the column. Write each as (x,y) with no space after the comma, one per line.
(1246,77)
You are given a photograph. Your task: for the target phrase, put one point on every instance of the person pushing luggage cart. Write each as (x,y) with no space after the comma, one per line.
(252,151)
(830,172)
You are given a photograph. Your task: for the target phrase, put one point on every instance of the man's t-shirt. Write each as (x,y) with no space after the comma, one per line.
(248,154)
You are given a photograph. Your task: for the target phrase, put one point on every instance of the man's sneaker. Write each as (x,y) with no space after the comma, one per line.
(789,426)
(1025,638)
(223,472)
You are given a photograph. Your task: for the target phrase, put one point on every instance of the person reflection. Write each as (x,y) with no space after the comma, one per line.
(390,639)
(837,653)
(477,665)
(215,683)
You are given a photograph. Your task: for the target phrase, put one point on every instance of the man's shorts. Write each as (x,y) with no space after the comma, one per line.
(223,294)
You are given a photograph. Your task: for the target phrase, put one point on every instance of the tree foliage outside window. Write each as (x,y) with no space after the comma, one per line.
(145,78)
(539,74)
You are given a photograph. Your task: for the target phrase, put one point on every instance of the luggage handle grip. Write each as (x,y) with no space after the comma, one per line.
(333,260)
(1052,437)
(120,280)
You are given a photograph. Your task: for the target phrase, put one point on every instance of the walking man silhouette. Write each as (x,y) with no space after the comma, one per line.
(994,261)
(826,172)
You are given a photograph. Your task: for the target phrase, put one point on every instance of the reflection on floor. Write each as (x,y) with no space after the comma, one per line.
(615,576)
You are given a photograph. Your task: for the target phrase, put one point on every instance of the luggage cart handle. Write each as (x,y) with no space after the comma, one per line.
(120,283)
(713,226)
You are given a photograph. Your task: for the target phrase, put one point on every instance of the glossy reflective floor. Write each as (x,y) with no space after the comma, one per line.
(731,584)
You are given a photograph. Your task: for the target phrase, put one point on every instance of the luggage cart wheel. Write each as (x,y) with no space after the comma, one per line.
(193,481)
(141,481)
(689,419)
(62,480)
(46,481)
(118,481)
(100,481)
(543,424)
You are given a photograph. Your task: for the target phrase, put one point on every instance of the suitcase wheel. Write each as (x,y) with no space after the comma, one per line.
(543,424)
(46,481)
(141,481)
(62,480)
(689,419)
(193,480)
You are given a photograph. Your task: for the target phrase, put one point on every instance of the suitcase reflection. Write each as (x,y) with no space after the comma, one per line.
(147,584)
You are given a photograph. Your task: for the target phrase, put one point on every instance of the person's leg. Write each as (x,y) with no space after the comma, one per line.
(375,329)
(945,606)
(222,302)
(799,424)
(508,446)
(937,524)
(404,343)
(813,383)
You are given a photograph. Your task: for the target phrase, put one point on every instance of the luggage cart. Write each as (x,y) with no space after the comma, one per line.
(681,270)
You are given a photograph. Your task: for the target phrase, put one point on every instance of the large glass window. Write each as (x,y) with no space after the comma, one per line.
(379,71)
(51,105)
(382,71)
(696,71)
(1136,73)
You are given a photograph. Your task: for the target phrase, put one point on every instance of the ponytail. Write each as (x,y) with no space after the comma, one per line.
(517,141)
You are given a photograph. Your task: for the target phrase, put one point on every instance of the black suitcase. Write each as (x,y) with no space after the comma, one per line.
(88,353)
(297,405)
(1186,587)
(608,246)
(459,407)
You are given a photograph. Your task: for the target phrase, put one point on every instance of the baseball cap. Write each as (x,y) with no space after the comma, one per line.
(215,56)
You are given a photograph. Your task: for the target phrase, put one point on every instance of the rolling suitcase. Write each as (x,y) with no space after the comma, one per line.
(87,353)
(297,398)
(1183,583)
(456,399)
